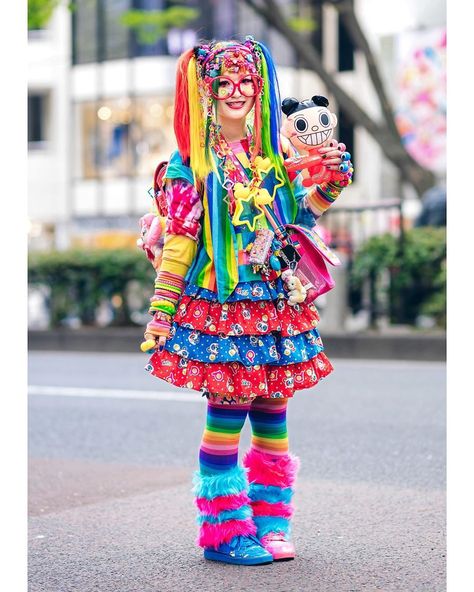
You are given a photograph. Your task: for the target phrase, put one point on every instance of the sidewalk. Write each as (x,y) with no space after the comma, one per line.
(390,345)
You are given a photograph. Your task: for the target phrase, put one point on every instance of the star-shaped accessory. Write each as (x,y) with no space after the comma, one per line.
(247,211)
(252,199)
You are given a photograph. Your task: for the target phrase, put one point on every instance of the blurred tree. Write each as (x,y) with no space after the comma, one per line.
(384,132)
(151,25)
(40,12)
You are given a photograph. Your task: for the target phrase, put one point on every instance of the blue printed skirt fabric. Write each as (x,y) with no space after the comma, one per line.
(253,345)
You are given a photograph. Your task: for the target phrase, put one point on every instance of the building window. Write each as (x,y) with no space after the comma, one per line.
(317,34)
(85,32)
(116,35)
(37,114)
(345,49)
(124,137)
(148,49)
(345,133)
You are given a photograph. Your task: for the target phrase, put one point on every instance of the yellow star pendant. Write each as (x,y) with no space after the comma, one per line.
(250,202)
(247,211)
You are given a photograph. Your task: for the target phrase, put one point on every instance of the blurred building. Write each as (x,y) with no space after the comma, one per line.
(101,108)
(49,131)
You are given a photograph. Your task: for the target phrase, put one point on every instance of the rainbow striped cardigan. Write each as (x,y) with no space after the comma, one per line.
(221,261)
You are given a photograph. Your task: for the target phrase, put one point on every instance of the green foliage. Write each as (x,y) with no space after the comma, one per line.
(417,271)
(79,279)
(302,25)
(40,12)
(151,25)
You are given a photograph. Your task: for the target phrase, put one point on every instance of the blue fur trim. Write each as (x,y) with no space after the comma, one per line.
(266,524)
(270,493)
(241,513)
(229,482)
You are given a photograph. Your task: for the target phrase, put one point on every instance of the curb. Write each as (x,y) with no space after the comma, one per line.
(376,346)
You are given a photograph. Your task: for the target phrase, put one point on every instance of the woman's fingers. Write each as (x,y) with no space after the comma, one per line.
(161,342)
(329,161)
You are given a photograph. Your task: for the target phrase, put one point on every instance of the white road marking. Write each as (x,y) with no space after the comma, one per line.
(67,391)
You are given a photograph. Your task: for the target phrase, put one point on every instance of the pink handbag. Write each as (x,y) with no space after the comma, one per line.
(309,262)
(311,267)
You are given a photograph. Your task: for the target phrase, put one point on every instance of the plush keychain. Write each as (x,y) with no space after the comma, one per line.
(296,291)
(151,237)
(309,126)
(152,230)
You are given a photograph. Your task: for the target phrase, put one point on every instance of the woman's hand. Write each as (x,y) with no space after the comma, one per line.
(335,166)
(156,332)
(334,155)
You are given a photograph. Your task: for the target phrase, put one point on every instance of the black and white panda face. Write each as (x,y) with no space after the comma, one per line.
(310,126)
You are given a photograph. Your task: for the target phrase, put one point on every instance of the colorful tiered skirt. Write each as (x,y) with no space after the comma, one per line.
(253,345)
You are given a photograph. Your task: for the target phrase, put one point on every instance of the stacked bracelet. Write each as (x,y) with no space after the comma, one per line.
(163,306)
(329,191)
(322,197)
(168,289)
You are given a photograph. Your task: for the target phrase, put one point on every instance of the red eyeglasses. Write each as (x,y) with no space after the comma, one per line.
(223,87)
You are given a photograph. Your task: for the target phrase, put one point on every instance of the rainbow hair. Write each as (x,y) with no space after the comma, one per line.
(195,111)
(268,128)
(181,105)
(189,116)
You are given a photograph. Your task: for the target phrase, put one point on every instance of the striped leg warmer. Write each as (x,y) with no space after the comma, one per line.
(271,469)
(221,486)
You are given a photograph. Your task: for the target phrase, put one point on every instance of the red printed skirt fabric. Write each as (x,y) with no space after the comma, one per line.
(254,345)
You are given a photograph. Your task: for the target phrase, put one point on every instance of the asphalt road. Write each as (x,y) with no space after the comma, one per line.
(112,451)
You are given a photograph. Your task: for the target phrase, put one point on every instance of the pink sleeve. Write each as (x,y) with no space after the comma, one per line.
(184,208)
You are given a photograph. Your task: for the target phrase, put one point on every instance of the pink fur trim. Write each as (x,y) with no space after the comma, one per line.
(224,502)
(212,535)
(264,470)
(280,509)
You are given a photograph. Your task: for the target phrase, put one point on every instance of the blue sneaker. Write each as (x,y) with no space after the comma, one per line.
(241,550)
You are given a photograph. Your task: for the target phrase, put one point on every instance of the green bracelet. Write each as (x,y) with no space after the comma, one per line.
(168,308)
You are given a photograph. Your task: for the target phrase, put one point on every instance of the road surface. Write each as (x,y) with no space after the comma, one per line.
(112,451)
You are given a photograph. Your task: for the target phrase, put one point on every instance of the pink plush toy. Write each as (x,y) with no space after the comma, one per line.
(309,126)
(152,237)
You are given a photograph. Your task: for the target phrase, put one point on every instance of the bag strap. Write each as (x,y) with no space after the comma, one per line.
(274,221)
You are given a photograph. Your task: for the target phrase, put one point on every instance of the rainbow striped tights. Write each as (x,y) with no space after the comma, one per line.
(254,498)
(220,440)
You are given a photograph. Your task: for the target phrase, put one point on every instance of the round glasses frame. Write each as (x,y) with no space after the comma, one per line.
(257,83)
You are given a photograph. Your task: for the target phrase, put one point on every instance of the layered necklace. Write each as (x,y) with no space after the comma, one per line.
(232,168)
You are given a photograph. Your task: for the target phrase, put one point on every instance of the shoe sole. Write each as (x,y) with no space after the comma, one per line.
(214,556)
(289,558)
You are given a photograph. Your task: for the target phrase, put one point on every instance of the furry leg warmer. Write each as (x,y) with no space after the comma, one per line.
(224,509)
(271,490)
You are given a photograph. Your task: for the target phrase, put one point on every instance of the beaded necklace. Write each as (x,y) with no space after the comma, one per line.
(231,167)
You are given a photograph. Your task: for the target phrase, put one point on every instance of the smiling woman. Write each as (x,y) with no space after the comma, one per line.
(236,94)
(227,318)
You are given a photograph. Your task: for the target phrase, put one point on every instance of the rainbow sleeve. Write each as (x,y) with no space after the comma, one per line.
(321,197)
(178,254)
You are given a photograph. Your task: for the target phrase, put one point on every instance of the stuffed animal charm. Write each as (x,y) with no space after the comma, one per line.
(309,126)
(296,290)
(152,237)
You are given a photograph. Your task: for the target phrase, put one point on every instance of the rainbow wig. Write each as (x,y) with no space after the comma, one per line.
(195,120)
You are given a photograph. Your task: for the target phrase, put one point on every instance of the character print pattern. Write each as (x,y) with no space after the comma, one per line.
(253,345)
(245,317)
(246,349)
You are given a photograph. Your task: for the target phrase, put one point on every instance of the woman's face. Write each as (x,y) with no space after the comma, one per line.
(237,106)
